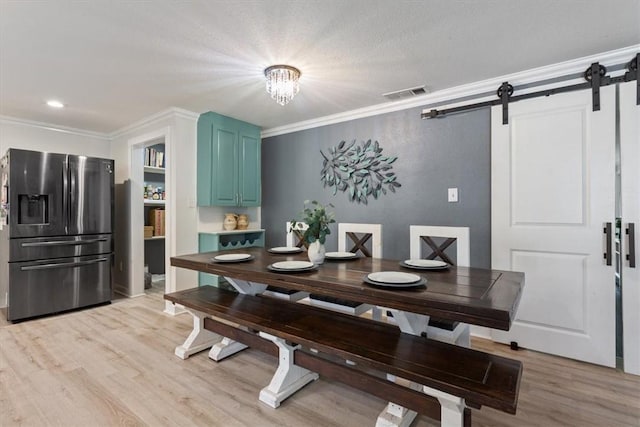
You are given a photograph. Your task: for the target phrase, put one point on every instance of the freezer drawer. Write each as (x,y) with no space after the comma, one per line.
(37,248)
(54,285)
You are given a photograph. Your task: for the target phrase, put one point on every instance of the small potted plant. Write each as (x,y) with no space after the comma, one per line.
(317,218)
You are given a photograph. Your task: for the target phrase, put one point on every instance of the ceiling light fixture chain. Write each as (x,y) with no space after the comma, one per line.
(282,82)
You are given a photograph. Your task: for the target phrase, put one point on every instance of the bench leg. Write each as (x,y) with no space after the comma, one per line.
(199,339)
(225,348)
(288,378)
(395,415)
(451,407)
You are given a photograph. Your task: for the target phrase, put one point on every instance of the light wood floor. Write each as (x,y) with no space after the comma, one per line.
(114,365)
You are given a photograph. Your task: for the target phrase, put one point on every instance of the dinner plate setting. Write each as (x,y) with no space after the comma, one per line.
(285,250)
(424,264)
(340,255)
(232,258)
(291,266)
(395,279)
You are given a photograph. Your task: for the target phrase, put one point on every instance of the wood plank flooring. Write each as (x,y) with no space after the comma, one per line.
(114,365)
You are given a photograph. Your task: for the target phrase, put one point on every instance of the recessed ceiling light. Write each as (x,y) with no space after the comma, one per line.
(55,104)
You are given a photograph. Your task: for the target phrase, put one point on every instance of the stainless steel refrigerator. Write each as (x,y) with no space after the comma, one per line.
(56,244)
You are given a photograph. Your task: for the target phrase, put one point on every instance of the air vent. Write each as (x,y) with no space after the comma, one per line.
(405,93)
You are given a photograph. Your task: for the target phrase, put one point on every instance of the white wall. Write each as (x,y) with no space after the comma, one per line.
(210,217)
(179,128)
(30,136)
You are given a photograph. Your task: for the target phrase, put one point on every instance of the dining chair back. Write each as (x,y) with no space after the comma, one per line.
(360,237)
(419,234)
(367,240)
(294,234)
(443,330)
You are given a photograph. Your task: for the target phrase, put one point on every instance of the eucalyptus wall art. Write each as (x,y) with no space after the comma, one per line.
(358,169)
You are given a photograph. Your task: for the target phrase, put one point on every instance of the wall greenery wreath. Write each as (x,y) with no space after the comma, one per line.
(360,169)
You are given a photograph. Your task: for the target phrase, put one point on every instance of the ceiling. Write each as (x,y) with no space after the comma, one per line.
(115,63)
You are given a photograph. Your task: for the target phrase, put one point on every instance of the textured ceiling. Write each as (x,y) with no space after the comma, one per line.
(114,63)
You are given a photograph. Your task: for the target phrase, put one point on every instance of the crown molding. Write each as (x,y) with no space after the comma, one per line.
(52,127)
(455,95)
(162,115)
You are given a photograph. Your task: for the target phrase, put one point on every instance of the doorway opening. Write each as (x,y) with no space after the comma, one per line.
(150,210)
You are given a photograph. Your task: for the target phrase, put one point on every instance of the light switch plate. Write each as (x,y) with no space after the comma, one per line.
(452,195)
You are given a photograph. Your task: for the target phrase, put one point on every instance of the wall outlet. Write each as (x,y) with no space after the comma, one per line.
(452,195)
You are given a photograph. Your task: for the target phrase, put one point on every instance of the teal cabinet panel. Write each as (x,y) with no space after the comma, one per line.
(249,173)
(228,163)
(225,170)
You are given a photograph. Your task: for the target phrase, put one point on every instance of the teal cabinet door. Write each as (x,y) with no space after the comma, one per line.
(224,171)
(249,172)
(229,152)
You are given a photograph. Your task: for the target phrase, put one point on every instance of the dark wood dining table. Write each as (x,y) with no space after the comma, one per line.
(476,296)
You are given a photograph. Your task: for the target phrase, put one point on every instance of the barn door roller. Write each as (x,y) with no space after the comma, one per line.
(595,76)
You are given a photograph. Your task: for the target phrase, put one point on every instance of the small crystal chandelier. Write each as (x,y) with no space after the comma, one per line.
(282,82)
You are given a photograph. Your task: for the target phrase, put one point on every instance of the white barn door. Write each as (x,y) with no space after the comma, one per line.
(553,191)
(630,204)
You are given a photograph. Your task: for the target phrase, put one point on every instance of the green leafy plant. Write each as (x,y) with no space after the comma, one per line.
(318,217)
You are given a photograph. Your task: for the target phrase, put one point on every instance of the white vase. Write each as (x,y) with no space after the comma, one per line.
(315,252)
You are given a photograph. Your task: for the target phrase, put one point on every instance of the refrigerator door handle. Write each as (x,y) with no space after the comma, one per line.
(63,264)
(62,243)
(631,241)
(607,230)
(65,195)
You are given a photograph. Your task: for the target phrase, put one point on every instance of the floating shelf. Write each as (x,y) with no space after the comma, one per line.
(154,238)
(151,202)
(153,169)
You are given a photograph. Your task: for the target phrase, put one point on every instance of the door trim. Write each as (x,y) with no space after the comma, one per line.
(136,238)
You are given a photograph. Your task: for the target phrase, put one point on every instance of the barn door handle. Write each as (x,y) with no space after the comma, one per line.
(607,233)
(631,242)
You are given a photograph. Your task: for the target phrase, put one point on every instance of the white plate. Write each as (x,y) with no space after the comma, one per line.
(340,255)
(293,265)
(394,277)
(421,282)
(285,250)
(427,264)
(232,257)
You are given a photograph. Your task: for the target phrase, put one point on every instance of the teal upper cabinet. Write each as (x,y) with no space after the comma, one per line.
(228,162)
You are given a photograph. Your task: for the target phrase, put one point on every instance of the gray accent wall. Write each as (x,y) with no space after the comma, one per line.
(433,155)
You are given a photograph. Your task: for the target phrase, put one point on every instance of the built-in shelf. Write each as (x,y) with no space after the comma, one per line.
(154,238)
(223,240)
(152,169)
(151,202)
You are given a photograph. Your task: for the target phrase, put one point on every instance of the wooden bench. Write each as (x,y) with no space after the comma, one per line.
(371,356)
